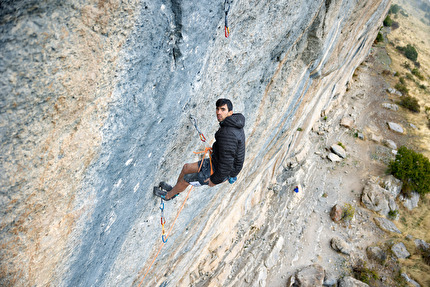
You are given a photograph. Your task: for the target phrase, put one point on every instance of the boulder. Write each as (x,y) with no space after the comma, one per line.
(376,138)
(395,127)
(391,144)
(347,122)
(376,253)
(336,213)
(349,281)
(421,244)
(310,276)
(333,157)
(400,251)
(410,281)
(340,245)
(387,225)
(375,198)
(393,185)
(410,203)
(392,107)
(394,92)
(337,149)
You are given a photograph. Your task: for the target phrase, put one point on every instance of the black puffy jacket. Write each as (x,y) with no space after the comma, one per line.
(229,148)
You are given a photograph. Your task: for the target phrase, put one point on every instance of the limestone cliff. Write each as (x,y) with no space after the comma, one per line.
(95,105)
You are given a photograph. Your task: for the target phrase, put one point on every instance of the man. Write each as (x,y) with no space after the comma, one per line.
(227,157)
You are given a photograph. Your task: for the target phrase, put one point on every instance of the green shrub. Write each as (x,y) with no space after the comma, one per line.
(392,214)
(379,38)
(410,103)
(401,88)
(409,76)
(411,53)
(394,9)
(413,169)
(402,80)
(348,212)
(387,21)
(363,273)
(404,13)
(417,74)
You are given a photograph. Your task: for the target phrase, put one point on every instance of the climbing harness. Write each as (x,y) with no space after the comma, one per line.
(194,122)
(226,10)
(208,151)
(163,221)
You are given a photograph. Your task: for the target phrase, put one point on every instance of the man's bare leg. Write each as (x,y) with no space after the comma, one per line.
(181,184)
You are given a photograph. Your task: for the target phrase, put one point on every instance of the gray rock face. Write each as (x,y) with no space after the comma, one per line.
(349,281)
(347,122)
(410,203)
(95,102)
(389,106)
(421,244)
(375,198)
(376,253)
(334,157)
(395,127)
(340,245)
(310,276)
(409,280)
(393,185)
(400,251)
(391,144)
(337,149)
(387,225)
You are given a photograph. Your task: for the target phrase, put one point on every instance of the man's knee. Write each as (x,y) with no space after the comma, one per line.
(190,168)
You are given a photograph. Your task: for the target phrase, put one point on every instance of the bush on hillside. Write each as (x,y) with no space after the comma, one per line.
(395,25)
(417,74)
(387,21)
(394,9)
(410,103)
(413,169)
(379,38)
(401,88)
(409,51)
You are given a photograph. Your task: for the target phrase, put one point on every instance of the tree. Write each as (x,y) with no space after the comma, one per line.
(394,9)
(387,21)
(413,169)
(411,53)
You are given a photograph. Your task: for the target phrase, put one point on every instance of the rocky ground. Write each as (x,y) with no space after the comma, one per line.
(358,123)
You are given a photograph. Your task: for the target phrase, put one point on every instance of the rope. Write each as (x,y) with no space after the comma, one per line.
(165,237)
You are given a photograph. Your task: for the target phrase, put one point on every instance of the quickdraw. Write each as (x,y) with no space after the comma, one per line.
(163,222)
(226,10)
(194,122)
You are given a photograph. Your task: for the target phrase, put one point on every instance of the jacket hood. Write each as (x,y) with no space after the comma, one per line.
(235,120)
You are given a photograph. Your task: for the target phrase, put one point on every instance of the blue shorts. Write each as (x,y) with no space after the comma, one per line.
(198,178)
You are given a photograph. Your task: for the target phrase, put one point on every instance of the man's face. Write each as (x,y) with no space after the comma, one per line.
(222,113)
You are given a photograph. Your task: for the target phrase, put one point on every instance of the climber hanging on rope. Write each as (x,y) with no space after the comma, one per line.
(225,162)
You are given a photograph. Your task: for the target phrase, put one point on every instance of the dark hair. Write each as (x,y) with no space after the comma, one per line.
(222,102)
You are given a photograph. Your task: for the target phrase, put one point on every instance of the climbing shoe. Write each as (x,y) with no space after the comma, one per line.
(162,193)
(165,186)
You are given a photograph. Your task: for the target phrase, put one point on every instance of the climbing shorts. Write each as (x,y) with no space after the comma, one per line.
(198,178)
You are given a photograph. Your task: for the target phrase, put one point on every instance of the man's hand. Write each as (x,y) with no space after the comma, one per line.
(211,184)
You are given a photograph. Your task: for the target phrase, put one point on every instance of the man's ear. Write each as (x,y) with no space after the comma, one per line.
(230,113)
